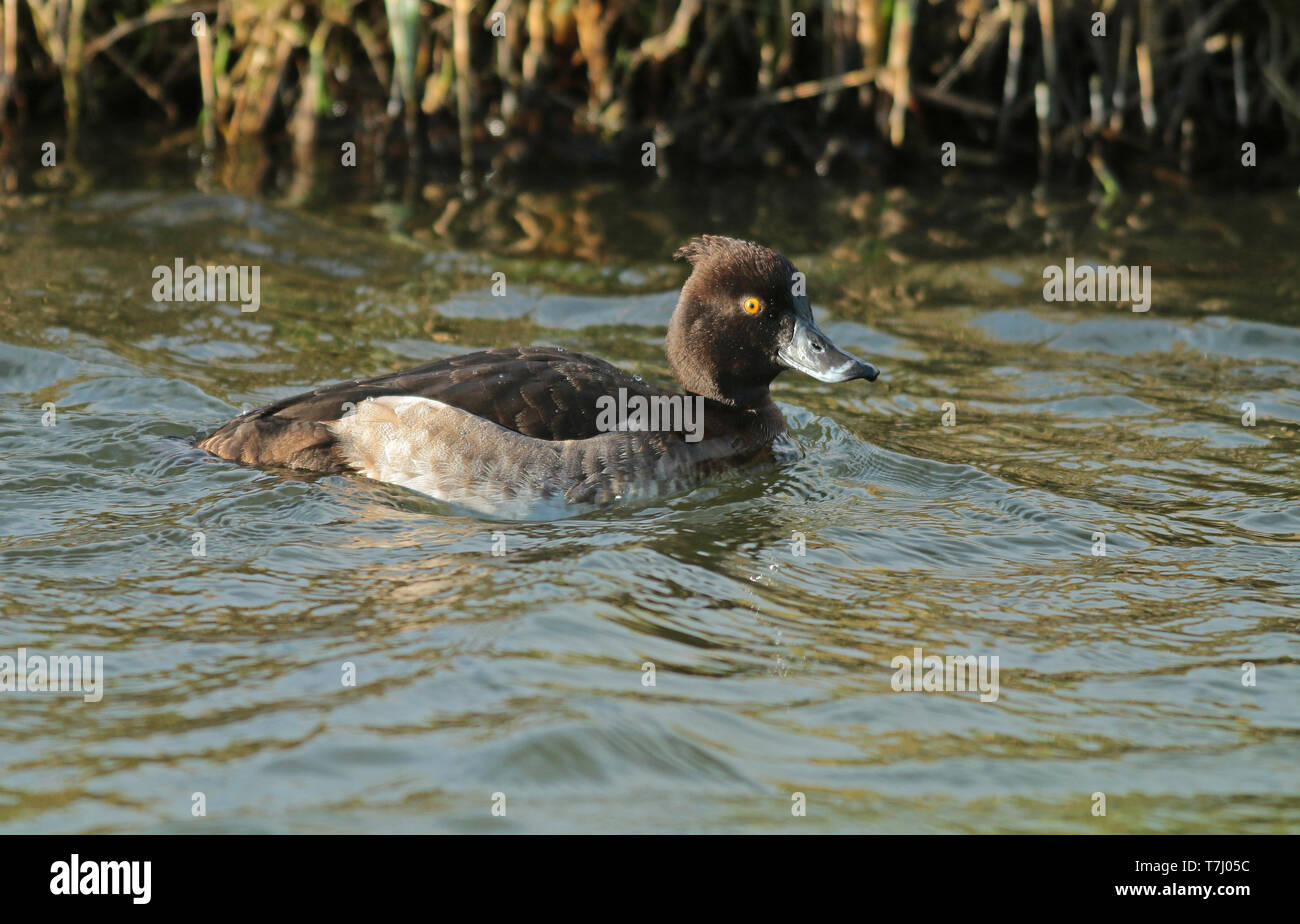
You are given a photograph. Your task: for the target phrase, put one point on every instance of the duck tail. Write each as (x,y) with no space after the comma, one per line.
(258,438)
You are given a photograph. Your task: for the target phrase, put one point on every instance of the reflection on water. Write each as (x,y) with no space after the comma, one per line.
(522,673)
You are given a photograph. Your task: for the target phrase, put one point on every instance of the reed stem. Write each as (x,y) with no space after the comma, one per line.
(900,50)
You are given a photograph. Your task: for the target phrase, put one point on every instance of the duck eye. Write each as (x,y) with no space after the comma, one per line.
(753,305)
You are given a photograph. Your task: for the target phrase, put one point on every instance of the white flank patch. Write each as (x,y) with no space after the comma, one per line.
(452,455)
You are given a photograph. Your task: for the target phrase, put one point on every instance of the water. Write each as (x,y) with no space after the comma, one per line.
(522,673)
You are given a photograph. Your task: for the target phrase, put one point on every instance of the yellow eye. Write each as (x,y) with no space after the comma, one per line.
(753,305)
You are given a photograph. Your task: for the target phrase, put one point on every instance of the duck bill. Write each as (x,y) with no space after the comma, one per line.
(811,352)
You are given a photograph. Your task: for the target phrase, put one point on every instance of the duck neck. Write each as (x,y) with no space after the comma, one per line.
(710,379)
(757,424)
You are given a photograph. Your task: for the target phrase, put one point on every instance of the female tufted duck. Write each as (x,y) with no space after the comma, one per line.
(514,432)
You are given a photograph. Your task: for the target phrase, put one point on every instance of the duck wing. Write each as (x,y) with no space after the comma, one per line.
(544,392)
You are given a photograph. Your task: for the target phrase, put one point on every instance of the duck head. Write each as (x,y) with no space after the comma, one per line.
(739,324)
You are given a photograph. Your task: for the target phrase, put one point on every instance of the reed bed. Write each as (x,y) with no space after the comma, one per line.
(803,84)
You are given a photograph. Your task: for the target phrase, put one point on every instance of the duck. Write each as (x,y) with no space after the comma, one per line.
(530,431)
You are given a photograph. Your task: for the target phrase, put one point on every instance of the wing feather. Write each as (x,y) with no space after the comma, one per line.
(543,392)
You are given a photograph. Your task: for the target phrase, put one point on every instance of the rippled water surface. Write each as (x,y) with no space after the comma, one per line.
(522,673)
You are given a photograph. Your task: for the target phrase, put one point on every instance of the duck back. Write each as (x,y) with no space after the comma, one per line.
(547,393)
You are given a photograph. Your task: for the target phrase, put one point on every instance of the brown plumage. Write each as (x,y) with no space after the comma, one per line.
(544,392)
(526,423)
